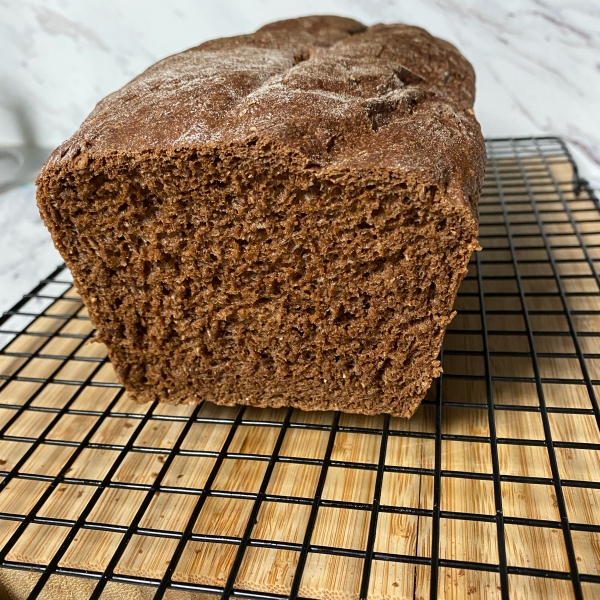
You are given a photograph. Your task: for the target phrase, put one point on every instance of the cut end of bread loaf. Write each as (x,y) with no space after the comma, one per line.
(301,243)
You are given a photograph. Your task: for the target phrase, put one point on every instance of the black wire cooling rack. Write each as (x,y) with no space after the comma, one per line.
(541,240)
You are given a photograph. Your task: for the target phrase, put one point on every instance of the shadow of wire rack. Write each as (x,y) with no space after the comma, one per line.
(491,490)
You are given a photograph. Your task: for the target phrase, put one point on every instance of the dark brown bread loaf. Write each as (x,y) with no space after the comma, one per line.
(276,219)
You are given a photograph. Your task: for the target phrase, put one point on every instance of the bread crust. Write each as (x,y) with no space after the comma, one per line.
(347,113)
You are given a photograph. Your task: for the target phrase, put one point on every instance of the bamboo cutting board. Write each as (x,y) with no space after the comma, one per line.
(492,490)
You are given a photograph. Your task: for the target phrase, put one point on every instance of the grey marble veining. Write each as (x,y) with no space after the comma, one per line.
(537,65)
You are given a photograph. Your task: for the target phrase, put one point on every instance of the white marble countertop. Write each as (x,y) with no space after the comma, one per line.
(537,65)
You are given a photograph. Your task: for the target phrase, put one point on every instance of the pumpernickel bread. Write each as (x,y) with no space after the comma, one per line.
(276,219)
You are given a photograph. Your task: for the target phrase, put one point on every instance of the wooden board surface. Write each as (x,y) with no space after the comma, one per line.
(93,483)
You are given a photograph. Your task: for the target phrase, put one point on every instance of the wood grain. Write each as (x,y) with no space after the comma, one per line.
(535,547)
(520,424)
(20,495)
(37,544)
(583,504)
(205,563)
(142,468)
(397,534)
(456,543)
(146,556)
(207,439)
(587,551)
(524,461)
(349,485)
(169,512)
(54,396)
(267,570)
(395,580)
(294,479)
(458,584)
(282,522)
(578,463)
(18,392)
(116,506)
(331,577)
(225,517)
(475,496)
(30,424)
(538,587)
(66,501)
(529,501)
(249,439)
(91,549)
(304,443)
(341,528)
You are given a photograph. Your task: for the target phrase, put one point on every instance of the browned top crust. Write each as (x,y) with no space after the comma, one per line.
(340,96)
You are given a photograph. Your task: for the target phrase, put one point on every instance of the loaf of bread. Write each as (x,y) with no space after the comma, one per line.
(276,219)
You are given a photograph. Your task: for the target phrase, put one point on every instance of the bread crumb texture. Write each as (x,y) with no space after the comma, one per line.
(276,219)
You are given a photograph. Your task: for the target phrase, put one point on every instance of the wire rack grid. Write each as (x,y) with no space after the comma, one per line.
(493,488)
